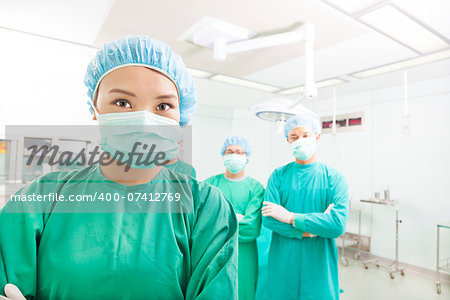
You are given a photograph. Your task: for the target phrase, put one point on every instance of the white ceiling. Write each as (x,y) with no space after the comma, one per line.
(343,45)
(360,53)
(440,69)
(76,21)
(168,19)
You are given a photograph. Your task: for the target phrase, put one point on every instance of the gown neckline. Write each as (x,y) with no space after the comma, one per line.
(115,184)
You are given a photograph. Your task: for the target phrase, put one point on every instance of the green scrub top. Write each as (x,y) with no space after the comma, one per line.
(141,251)
(247,196)
(182,167)
(306,268)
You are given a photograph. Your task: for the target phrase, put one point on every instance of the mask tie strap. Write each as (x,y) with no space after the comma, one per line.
(93,107)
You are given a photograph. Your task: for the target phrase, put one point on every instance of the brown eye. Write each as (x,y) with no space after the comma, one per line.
(122,103)
(163,106)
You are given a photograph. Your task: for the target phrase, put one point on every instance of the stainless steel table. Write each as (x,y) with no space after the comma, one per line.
(393,267)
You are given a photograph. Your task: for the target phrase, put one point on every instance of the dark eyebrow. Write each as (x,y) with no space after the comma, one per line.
(168,96)
(122,91)
(161,97)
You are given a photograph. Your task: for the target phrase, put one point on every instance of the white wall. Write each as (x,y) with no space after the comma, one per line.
(210,126)
(255,131)
(42,80)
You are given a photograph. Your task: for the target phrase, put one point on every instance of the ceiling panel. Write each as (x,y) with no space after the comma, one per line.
(76,21)
(435,13)
(353,6)
(227,95)
(405,29)
(360,53)
(415,74)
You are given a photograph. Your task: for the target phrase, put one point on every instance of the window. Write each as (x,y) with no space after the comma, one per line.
(344,122)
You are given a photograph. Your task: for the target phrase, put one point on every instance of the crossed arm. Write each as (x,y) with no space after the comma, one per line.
(329,224)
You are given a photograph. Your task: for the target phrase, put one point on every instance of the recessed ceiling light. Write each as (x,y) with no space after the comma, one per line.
(320,84)
(394,23)
(404,64)
(245,83)
(352,6)
(295,90)
(329,82)
(199,73)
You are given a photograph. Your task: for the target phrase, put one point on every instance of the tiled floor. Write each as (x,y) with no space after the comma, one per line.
(375,284)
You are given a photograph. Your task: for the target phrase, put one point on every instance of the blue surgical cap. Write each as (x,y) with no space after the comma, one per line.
(305,118)
(147,52)
(236,140)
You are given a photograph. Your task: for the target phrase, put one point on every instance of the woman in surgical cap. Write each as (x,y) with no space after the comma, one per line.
(246,194)
(146,232)
(306,207)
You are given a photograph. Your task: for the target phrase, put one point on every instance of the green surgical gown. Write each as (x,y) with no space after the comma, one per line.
(246,196)
(306,268)
(182,167)
(143,250)
(263,241)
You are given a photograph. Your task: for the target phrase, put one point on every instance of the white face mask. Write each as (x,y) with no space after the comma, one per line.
(235,163)
(304,148)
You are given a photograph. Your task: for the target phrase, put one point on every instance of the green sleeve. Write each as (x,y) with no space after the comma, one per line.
(21,226)
(330,225)
(210,180)
(272,194)
(194,173)
(214,244)
(250,225)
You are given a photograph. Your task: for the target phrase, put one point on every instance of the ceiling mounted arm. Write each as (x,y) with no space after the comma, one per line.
(265,42)
(310,84)
(225,38)
(280,110)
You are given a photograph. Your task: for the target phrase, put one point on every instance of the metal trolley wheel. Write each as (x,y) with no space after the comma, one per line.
(344,261)
(391,274)
(438,288)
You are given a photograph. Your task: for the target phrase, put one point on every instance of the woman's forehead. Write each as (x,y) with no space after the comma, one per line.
(138,77)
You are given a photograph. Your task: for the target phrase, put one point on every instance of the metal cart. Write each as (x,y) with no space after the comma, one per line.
(393,267)
(444,264)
